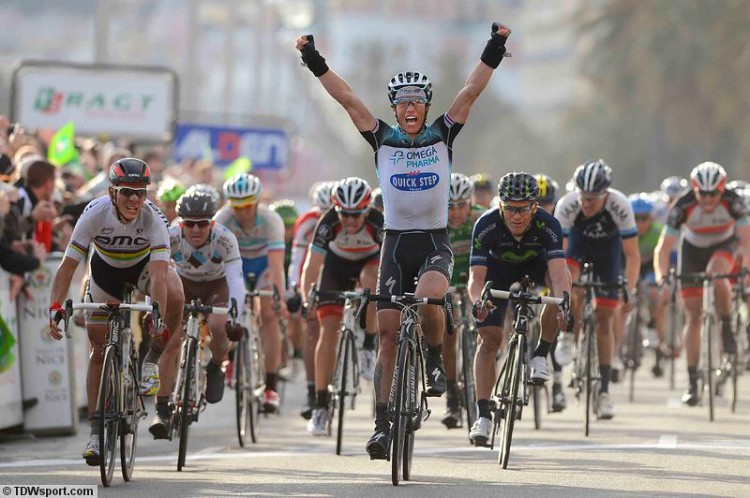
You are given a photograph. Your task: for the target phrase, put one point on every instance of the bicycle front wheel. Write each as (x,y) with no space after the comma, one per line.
(709,374)
(589,331)
(133,410)
(346,350)
(512,406)
(243,389)
(399,411)
(189,400)
(108,411)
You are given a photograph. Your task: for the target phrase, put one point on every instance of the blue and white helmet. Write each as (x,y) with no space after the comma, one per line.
(243,187)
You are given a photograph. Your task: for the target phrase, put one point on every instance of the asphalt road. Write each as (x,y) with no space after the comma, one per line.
(654,446)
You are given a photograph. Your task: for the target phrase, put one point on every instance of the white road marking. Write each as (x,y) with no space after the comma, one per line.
(667,441)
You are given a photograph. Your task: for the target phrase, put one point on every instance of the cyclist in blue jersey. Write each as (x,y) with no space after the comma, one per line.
(413,160)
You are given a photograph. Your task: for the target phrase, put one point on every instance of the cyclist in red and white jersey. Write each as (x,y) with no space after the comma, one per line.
(710,223)
(304,229)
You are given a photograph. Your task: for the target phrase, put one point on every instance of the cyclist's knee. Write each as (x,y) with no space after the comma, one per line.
(491,340)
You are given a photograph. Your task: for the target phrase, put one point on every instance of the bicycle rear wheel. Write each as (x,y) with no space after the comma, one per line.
(346,345)
(709,374)
(398,428)
(189,400)
(133,410)
(512,407)
(588,331)
(108,413)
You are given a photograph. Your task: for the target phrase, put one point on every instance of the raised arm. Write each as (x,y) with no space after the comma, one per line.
(335,85)
(480,75)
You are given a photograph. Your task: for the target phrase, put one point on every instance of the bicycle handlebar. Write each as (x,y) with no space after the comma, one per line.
(526,297)
(108,306)
(405,300)
(196,307)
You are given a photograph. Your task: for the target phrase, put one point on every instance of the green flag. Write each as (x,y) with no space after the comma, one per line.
(6,344)
(62,148)
(240,165)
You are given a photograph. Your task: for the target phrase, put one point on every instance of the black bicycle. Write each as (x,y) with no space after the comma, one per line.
(119,405)
(188,398)
(407,404)
(586,380)
(512,388)
(467,348)
(345,381)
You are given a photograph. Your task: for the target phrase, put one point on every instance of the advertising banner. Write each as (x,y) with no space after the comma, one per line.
(46,364)
(267,148)
(120,101)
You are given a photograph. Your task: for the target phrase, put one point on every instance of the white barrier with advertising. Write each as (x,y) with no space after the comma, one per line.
(46,364)
(11,411)
(101,99)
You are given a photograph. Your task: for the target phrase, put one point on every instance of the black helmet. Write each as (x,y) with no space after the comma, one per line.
(196,203)
(548,189)
(129,170)
(593,176)
(518,187)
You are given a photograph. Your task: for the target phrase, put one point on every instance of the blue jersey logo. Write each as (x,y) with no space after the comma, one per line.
(415,182)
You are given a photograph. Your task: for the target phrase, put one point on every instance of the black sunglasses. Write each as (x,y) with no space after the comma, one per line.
(517,210)
(130,192)
(198,223)
(709,193)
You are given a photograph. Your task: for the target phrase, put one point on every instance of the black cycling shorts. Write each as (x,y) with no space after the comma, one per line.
(693,259)
(503,278)
(405,256)
(341,274)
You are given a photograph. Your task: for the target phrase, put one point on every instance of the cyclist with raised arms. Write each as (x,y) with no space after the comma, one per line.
(509,242)
(462,214)
(130,242)
(208,262)
(260,234)
(345,250)
(598,227)
(304,229)
(711,224)
(413,162)
(549,192)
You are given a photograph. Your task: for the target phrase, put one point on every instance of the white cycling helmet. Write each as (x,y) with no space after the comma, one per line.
(321,195)
(352,194)
(243,189)
(708,176)
(462,188)
(402,80)
(208,189)
(593,176)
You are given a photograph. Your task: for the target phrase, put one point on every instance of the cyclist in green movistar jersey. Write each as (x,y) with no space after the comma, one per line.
(462,214)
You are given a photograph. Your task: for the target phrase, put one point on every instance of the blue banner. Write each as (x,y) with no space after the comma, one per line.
(267,148)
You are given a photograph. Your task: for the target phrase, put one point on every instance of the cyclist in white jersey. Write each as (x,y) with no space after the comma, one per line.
(208,262)
(260,234)
(413,164)
(130,244)
(304,229)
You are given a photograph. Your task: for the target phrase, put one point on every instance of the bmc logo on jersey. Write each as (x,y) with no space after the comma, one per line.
(415,182)
(121,240)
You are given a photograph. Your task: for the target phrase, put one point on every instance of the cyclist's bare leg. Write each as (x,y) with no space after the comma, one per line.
(488,344)
(722,294)
(219,343)
(449,354)
(312,333)
(368,279)
(97,333)
(271,336)
(692,331)
(388,322)
(325,352)
(432,284)
(168,364)
(576,299)
(605,342)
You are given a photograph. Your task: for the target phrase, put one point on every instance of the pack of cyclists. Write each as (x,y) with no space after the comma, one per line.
(423,228)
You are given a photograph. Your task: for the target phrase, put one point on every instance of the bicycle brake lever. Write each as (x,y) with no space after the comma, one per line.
(362,310)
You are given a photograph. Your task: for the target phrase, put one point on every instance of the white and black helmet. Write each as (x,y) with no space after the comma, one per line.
(208,189)
(410,79)
(462,188)
(195,203)
(352,194)
(708,176)
(320,194)
(672,186)
(593,176)
(243,187)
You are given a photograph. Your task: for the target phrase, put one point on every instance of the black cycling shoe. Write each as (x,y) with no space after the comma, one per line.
(214,383)
(692,396)
(377,446)
(657,371)
(435,373)
(160,425)
(452,418)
